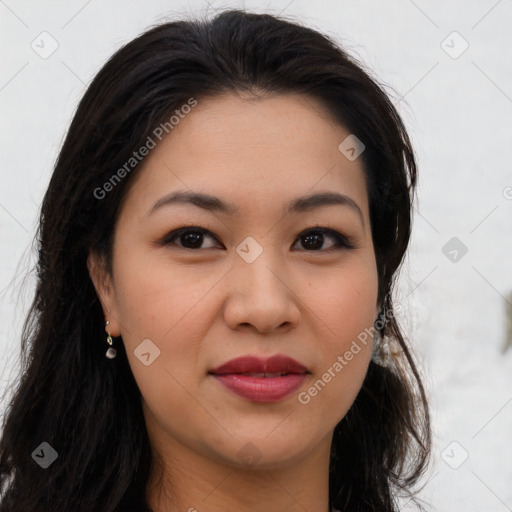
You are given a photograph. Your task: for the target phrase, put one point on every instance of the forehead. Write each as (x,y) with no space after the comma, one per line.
(254,151)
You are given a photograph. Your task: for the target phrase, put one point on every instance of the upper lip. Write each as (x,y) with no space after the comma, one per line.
(254,364)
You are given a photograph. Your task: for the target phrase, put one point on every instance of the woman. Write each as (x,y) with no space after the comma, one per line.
(213,326)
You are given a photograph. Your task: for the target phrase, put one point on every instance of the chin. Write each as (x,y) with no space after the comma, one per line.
(265,453)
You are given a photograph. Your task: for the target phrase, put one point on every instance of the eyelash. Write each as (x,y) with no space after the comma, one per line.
(342,242)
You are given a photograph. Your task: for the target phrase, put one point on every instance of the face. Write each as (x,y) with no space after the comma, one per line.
(262,270)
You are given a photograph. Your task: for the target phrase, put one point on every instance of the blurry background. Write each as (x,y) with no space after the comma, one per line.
(449,71)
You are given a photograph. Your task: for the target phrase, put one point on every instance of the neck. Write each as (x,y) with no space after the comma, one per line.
(183,480)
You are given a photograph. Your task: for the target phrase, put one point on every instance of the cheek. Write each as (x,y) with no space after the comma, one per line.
(156,296)
(346,304)
(162,306)
(167,304)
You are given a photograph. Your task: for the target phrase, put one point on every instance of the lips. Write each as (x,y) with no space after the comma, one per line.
(261,379)
(272,366)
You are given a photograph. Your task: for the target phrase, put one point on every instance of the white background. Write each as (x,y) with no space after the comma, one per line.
(456,110)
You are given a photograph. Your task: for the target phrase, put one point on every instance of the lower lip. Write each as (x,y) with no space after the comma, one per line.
(262,389)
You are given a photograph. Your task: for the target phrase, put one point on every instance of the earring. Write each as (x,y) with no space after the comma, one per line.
(111,352)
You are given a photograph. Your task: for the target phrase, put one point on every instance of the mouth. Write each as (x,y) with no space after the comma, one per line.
(261,379)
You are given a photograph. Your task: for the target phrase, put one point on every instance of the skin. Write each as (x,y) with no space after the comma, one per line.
(202,307)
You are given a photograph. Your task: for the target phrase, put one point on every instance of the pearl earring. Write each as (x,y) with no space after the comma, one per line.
(111,352)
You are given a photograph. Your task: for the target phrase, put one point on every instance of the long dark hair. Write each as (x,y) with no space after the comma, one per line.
(88,409)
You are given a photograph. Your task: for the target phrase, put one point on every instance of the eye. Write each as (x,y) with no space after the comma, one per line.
(314,239)
(192,237)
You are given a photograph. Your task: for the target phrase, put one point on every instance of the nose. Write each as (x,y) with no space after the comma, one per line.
(261,296)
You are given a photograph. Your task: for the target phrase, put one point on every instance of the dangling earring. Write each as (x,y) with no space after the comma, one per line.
(111,352)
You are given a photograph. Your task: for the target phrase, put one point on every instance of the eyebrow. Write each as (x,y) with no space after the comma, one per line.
(297,205)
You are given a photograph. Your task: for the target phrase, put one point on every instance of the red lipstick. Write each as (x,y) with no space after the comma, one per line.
(261,379)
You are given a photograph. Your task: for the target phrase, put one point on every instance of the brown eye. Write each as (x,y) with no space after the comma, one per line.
(313,240)
(190,237)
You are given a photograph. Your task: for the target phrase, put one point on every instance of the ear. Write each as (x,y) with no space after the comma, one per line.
(104,287)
